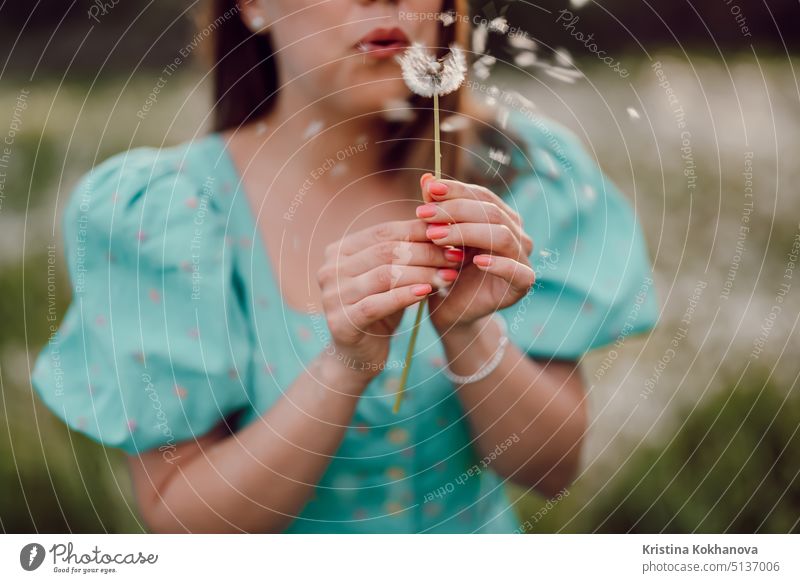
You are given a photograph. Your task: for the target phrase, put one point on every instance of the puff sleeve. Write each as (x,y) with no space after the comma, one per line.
(594,280)
(154,347)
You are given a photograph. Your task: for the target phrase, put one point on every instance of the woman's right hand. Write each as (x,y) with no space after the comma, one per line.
(367,280)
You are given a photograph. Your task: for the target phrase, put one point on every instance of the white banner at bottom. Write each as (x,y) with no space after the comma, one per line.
(399,558)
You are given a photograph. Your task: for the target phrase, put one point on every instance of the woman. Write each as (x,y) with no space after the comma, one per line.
(242,302)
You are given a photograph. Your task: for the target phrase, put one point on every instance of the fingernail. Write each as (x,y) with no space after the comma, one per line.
(437,188)
(482,260)
(422,289)
(426,211)
(437,231)
(425,177)
(454,254)
(447,274)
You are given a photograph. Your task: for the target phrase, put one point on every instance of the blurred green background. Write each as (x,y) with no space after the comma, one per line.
(691,432)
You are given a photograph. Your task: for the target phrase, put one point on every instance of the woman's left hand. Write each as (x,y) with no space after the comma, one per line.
(487,233)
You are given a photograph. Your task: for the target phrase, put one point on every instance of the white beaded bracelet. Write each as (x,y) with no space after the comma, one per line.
(493,362)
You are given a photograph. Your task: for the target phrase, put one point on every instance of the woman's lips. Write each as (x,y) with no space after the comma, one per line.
(383,43)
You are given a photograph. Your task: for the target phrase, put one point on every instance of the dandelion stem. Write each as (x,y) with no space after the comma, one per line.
(409,355)
(413,341)
(436,142)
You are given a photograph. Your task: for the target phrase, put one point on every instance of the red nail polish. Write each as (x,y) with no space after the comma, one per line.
(437,231)
(425,177)
(482,260)
(422,289)
(454,254)
(448,274)
(426,211)
(437,188)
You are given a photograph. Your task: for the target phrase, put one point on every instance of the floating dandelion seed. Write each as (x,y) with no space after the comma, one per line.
(487,60)
(398,110)
(482,67)
(521,99)
(447,18)
(313,129)
(480,70)
(525,59)
(522,41)
(499,156)
(502,117)
(564,58)
(499,25)
(479,37)
(633,113)
(454,123)
(492,94)
(428,77)
(562,74)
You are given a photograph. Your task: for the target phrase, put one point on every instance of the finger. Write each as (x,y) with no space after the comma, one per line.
(386,277)
(496,239)
(396,253)
(411,230)
(463,210)
(519,276)
(376,307)
(442,189)
(422,181)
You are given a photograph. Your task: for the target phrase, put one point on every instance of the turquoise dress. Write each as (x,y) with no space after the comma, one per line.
(176,322)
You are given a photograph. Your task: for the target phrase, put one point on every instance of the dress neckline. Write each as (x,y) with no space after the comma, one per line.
(246,211)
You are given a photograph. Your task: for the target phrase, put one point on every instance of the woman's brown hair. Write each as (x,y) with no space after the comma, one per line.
(246,81)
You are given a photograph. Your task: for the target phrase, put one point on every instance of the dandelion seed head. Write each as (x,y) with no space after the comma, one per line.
(426,76)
